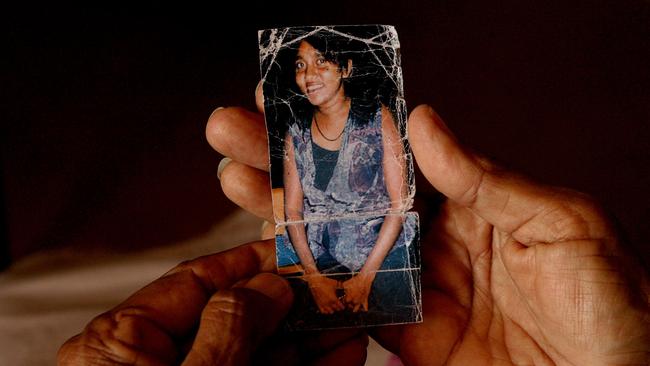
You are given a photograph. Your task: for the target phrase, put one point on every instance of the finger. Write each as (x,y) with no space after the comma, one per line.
(339,306)
(175,301)
(249,188)
(235,321)
(334,306)
(239,134)
(169,308)
(353,306)
(510,202)
(322,308)
(259,97)
(122,340)
(191,284)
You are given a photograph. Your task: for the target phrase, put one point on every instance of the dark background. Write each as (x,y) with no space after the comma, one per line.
(103,111)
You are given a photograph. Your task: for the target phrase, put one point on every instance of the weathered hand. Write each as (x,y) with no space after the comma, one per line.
(221,309)
(514,272)
(323,289)
(357,290)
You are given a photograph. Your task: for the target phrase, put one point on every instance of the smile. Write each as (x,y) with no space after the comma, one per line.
(314,88)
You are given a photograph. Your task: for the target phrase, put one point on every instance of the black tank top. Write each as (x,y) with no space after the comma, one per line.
(324,162)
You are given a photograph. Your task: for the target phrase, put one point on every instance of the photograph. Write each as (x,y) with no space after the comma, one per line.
(341,174)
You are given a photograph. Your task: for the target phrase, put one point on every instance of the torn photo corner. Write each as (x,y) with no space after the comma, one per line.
(341,175)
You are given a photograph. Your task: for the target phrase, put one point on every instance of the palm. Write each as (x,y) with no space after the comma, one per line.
(489,299)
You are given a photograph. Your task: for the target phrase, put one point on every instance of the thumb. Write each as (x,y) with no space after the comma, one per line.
(444,162)
(508,201)
(235,321)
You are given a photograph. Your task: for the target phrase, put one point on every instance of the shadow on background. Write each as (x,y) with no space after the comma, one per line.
(103,132)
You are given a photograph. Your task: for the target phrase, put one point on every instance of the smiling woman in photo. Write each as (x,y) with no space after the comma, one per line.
(345,183)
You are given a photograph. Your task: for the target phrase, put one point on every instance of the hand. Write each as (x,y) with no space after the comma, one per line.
(357,290)
(323,290)
(515,272)
(221,309)
(512,270)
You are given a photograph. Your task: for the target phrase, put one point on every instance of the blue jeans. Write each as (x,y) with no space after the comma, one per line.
(394,296)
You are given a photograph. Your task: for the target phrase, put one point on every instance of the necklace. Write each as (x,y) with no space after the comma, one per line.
(322,134)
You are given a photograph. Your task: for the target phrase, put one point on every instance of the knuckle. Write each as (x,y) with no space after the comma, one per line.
(232,300)
(197,270)
(590,208)
(184,266)
(486,163)
(69,353)
(471,191)
(229,307)
(580,216)
(110,337)
(581,201)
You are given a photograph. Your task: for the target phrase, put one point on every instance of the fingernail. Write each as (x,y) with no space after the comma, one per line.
(215,111)
(222,165)
(270,285)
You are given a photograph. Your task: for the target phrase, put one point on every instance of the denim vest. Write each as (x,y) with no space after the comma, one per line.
(357,185)
(351,209)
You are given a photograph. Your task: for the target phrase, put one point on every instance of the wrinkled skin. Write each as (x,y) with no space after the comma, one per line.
(514,272)
(221,309)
